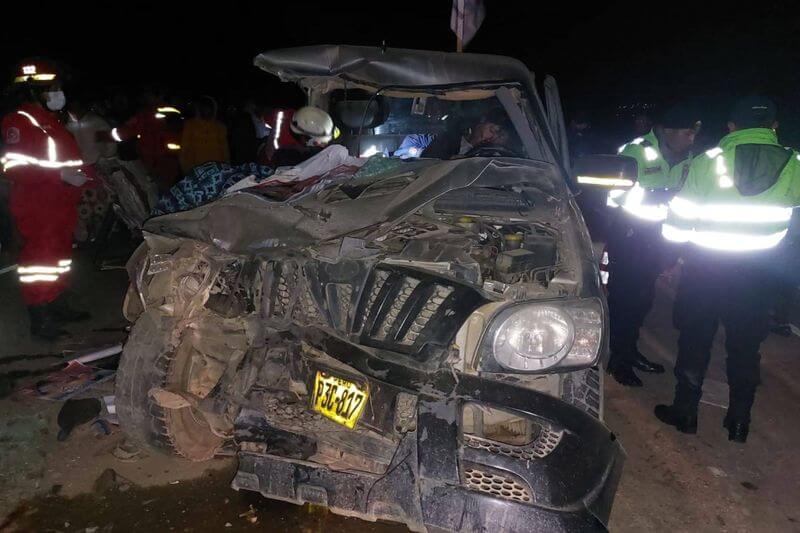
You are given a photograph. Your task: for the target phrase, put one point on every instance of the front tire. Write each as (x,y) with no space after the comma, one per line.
(157,356)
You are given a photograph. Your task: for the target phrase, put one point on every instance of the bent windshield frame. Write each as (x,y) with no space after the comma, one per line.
(517,108)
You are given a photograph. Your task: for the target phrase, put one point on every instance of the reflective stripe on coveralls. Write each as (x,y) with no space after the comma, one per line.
(14,159)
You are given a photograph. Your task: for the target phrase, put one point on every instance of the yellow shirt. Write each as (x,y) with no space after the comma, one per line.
(202,141)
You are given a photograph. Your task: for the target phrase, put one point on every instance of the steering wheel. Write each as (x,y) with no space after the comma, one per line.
(491,150)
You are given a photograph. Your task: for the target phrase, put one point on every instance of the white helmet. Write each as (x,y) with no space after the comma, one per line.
(315,123)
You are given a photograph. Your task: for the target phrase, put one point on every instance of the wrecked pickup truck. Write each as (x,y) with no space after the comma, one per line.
(419,342)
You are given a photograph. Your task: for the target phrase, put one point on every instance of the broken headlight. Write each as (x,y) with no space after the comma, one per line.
(533,337)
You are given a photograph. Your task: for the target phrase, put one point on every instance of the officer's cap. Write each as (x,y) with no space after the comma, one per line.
(754,112)
(681,116)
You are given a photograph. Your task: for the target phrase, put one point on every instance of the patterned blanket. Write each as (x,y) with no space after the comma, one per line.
(205,183)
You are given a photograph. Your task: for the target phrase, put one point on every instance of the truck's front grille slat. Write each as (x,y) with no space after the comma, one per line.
(392,318)
(392,308)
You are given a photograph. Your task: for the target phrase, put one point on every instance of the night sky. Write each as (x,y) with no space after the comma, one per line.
(605,55)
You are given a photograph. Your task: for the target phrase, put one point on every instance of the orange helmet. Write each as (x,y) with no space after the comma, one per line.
(36,71)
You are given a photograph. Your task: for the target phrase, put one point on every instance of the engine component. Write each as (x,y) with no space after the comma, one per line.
(536,252)
(514,261)
(468,223)
(543,245)
(512,241)
(481,200)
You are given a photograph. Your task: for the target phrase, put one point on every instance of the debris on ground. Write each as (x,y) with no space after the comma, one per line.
(716,472)
(110,410)
(127,452)
(250,515)
(66,383)
(75,413)
(110,481)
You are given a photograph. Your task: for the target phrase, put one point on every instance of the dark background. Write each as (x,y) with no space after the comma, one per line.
(605,56)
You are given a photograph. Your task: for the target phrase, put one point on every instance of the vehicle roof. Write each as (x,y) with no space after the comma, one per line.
(380,67)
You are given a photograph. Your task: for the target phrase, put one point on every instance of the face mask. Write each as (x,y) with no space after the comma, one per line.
(55,100)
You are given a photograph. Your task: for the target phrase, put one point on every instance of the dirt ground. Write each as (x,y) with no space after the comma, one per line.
(672,482)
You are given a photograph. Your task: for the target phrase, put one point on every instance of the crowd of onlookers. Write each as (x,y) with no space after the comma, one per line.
(169,134)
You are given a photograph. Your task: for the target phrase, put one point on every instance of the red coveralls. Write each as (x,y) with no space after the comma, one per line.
(158,143)
(38,147)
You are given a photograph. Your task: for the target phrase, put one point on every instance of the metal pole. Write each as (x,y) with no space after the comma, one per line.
(460,27)
(99,354)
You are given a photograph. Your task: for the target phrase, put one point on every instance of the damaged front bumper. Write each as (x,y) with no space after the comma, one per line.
(441,479)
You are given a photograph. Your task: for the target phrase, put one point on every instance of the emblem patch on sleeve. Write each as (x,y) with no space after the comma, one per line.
(12,135)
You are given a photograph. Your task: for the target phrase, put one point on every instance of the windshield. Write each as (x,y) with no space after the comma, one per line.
(465,123)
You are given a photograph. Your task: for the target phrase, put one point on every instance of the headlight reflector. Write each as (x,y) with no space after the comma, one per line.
(533,338)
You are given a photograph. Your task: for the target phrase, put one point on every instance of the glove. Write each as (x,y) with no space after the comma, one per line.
(74,177)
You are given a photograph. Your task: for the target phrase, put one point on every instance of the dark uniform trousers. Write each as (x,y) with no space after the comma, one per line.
(636,259)
(738,292)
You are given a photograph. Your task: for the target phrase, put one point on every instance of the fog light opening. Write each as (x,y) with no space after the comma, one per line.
(497,425)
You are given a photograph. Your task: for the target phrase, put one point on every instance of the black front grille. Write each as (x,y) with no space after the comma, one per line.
(412,312)
(393,308)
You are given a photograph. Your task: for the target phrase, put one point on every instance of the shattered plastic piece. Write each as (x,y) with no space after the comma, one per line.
(250,515)
(109,403)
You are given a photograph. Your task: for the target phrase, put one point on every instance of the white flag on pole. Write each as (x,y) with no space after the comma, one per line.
(466,17)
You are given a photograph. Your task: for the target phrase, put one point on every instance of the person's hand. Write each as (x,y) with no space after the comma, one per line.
(74,177)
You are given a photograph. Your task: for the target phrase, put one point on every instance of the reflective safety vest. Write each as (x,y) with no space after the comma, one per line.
(656,181)
(739,196)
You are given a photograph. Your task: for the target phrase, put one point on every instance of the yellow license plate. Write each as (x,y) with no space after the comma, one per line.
(338,399)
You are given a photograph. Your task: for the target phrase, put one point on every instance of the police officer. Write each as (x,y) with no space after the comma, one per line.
(43,163)
(635,247)
(733,212)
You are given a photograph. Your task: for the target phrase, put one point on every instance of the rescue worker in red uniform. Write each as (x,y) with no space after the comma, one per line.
(157,130)
(43,162)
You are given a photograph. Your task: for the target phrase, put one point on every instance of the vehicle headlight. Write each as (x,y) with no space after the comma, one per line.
(537,336)
(533,338)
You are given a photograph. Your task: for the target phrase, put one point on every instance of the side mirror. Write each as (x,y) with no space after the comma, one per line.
(606,171)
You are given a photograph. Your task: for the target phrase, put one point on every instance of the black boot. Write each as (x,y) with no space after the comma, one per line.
(684,421)
(624,375)
(640,362)
(63,312)
(742,396)
(43,323)
(737,429)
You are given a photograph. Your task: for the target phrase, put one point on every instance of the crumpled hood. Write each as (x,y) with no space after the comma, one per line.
(245,223)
